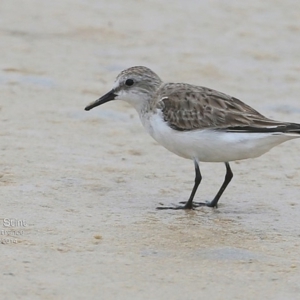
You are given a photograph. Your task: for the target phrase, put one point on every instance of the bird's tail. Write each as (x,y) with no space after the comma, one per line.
(276,128)
(292,128)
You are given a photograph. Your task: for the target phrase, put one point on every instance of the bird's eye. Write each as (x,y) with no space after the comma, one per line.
(129,82)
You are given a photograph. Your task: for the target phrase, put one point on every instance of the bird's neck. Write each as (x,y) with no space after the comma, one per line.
(141,104)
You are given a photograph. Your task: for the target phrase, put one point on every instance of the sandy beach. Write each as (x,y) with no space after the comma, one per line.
(79,190)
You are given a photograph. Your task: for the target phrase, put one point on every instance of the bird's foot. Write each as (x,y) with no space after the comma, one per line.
(185,206)
(200,204)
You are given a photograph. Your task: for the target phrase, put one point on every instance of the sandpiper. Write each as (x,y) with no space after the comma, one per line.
(198,123)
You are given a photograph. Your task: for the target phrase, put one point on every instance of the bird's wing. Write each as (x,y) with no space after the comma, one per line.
(186,107)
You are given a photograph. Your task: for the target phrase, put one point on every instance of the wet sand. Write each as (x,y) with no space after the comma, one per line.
(79,189)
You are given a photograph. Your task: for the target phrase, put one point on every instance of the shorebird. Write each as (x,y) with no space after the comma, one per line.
(198,123)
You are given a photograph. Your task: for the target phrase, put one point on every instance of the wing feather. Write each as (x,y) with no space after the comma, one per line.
(186,107)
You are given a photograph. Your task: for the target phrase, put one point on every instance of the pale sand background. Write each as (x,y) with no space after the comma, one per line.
(87,183)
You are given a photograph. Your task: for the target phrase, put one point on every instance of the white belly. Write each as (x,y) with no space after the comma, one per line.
(211,145)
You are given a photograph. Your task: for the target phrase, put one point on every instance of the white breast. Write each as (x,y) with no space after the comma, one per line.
(211,145)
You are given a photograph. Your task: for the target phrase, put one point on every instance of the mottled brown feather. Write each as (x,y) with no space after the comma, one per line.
(187,107)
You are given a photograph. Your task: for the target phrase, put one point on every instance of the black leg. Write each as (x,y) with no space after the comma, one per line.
(214,202)
(189,203)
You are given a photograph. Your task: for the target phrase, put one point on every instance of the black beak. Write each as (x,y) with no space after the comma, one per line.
(107,97)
